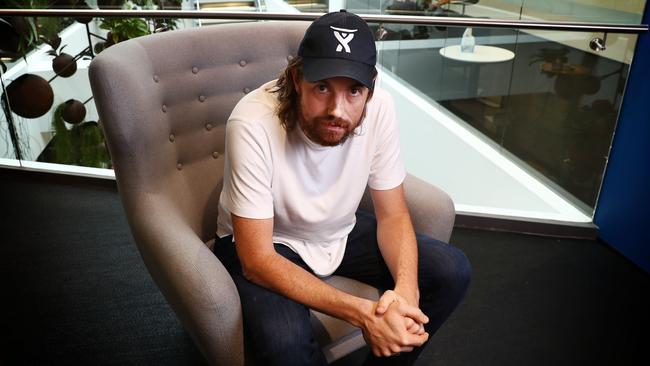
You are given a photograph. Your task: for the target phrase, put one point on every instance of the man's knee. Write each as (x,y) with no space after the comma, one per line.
(283,336)
(444,268)
(461,275)
(285,348)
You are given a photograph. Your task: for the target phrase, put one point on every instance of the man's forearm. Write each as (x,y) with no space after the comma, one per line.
(282,276)
(398,247)
(262,265)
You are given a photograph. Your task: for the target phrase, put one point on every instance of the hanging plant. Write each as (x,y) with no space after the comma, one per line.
(73,111)
(63,64)
(30,96)
(17,35)
(81,5)
(9,39)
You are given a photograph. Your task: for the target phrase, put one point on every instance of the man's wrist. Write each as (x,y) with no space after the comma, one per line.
(409,292)
(364,310)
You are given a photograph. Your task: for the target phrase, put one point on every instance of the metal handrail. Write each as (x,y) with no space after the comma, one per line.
(371,18)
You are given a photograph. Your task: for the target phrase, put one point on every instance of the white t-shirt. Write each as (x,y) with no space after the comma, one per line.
(311,191)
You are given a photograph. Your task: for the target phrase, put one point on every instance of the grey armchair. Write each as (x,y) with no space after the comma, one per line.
(163,101)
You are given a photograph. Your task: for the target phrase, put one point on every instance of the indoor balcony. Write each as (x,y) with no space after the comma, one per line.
(524,143)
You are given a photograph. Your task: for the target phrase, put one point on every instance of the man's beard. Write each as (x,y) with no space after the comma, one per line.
(316,129)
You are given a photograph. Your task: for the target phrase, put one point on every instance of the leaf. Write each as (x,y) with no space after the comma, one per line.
(55,42)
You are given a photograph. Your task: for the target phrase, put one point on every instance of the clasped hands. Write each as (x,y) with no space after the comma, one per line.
(395,326)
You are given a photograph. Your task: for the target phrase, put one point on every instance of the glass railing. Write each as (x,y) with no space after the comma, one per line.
(549,108)
(520,124)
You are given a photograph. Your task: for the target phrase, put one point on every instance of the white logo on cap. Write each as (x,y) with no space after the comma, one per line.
(344,36)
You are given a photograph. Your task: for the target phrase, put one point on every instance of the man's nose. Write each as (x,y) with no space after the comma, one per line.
(336,106)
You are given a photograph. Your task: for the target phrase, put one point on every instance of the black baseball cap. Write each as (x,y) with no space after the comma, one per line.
(339,44)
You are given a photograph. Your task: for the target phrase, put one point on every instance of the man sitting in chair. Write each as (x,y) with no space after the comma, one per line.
(300,151)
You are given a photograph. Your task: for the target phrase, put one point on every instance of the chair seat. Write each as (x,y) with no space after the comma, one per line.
(340,337)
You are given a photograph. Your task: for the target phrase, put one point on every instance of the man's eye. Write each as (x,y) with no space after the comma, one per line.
(322,87)
(355,91)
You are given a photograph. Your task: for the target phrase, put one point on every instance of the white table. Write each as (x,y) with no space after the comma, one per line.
(481,54)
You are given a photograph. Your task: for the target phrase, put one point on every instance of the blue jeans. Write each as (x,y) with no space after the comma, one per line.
(279,330)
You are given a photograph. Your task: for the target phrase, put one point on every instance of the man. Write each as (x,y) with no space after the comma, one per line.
(299,154)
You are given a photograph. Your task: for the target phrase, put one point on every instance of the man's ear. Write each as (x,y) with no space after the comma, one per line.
(295,78)
(371,91)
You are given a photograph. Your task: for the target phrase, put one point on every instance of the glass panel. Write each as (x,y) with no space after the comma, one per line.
(543,100)
(597,11)
(564,105)
(520,126)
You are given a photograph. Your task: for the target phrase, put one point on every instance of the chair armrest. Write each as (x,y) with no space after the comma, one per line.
(432,210)
(194,282)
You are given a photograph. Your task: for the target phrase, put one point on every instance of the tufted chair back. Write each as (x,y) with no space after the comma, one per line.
(174,92)
(163,101)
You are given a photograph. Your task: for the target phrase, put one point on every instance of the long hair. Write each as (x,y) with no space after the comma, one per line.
(289,102)
(285,88)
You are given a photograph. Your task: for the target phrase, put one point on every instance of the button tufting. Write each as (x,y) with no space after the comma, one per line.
(164,108)
(195,70)
(247,90)
(215,154)
(172,138)
(242,63)
(201,98)
(179,166)
(208,126)
(156,78)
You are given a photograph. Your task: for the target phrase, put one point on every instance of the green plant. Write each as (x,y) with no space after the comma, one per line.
(83,144)
(64,151)
(19,35)
(121,29)
(92,147)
